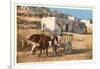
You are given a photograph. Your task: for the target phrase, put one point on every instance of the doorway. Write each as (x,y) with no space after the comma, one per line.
(66,27)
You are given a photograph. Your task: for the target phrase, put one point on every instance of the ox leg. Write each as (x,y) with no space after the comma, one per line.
(33,50)
(56,50)
(44,51)
(40,53)
(47,51)
(53,50)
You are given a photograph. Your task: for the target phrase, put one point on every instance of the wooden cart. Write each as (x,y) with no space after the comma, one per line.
(66,43)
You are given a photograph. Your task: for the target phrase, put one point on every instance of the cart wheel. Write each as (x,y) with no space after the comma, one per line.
(68,48)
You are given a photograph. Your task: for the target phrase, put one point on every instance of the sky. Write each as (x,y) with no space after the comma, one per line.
(79,13)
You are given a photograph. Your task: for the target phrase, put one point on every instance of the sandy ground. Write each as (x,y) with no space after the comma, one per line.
(82,50)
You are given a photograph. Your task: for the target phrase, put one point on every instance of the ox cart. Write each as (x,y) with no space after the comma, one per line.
(66,43)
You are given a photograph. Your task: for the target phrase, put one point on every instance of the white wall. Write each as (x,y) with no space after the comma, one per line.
(71,17)
(49,22)
(87,22)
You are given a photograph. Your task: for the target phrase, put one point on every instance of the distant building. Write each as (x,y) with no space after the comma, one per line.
(88,24)
(48,22)
(71,18)
(59,24)
(54,23)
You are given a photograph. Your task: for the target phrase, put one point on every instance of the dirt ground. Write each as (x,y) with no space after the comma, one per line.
(82,50)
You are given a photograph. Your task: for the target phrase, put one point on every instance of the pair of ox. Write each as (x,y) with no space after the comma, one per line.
(42,42)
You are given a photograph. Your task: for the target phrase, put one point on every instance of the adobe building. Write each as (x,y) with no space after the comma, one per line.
(57,24)
(88,24)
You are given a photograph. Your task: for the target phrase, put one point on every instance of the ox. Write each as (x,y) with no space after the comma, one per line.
(42,42)
(38,42)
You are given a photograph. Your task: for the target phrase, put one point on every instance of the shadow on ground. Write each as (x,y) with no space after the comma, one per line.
(79,51)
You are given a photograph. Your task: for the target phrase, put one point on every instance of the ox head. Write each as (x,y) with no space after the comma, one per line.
(29,44)
(25,44)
